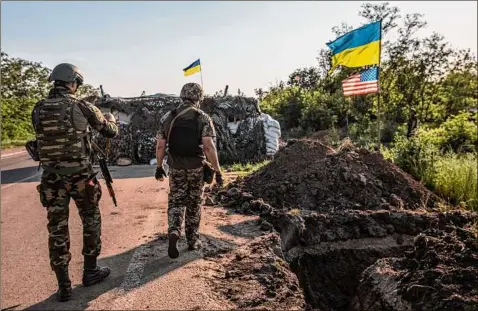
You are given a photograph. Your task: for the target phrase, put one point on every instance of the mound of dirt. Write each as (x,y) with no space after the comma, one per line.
(439,273)
(308,175)
(256,277)
(342,212)
(311,228)
(329,252)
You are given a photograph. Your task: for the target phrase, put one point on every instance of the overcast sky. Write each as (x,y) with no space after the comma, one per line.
(134,46)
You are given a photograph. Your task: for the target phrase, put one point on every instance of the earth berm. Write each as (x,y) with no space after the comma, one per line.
(357,231)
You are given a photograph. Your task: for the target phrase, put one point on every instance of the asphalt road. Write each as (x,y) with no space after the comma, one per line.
(133,246)
(17,166)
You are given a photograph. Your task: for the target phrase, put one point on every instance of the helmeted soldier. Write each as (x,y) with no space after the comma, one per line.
(63,125)
(189,133)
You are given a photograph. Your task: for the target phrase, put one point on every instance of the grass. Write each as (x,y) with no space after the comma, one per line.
(246,169)
(455,179)
(6,144)
(452,176)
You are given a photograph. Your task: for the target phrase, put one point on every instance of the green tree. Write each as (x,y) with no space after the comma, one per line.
(425,74)
(306,78)
(23,84)
(22,78)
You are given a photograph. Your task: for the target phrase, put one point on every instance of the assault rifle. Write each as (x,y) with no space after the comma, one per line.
(105,172)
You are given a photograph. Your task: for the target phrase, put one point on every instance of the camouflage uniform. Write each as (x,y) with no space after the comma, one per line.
(186,175)
(62,126)
(55,192)
(70,177)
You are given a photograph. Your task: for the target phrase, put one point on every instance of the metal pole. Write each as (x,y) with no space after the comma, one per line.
(347,114)
(378,93)
(201,79)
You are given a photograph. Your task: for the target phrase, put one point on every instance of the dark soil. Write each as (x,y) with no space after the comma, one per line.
(329,252)
(257,277)
(308,175)
(330,273)
(340,213)
(314,228)
(439,273)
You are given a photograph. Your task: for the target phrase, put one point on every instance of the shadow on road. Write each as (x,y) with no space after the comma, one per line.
(156,264)
(17,174)
(245,229)
(132,171)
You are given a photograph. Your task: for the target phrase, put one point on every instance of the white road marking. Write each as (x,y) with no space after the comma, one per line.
(138,261)
(20,181)
(12,154)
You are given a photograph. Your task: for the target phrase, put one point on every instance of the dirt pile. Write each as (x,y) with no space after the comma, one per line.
(313,228)
(308,175)
(439,273)
(342,212)
(330,251)
(256,276)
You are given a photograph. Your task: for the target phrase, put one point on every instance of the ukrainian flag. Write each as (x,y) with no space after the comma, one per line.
(358,48)
(193,68)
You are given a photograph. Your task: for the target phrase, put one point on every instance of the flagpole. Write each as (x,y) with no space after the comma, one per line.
(378,78)
(347,113)
(202,86)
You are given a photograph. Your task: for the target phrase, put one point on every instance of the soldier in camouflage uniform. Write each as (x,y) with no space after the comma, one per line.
(62,124)
(190,143)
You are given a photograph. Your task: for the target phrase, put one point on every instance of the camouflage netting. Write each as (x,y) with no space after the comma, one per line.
(244,133)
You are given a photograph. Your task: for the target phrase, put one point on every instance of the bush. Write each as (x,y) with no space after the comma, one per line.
(308,109)
(452,176)
(416,157)
(16,119)
(458,133)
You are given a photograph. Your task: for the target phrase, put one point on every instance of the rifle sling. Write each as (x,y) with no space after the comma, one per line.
(95,146)
(174,119)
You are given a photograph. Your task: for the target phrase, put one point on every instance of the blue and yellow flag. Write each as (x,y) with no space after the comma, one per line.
(193,68)
(357,48)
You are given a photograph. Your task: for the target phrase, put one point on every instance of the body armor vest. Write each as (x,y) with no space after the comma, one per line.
(63,135)
(185,138)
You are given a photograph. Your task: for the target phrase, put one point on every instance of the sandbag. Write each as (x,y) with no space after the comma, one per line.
(272,146)
(271,137)
(273,131)
(273,123)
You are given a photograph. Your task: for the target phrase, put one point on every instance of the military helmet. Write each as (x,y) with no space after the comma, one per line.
(193,92)
(67,73)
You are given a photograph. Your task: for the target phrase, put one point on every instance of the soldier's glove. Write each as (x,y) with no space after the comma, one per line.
(219,180)
(110,117)
(160,173)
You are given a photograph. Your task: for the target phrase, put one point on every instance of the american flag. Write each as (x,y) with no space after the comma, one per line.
(362,83)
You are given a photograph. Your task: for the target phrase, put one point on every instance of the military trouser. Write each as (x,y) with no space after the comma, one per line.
(55,193)
(185,197)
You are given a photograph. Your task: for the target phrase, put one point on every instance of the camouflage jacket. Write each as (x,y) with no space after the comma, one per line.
(62,125)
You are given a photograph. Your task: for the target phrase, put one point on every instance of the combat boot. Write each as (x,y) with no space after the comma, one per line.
(64,284)
(195,246)
(173,251)
(92,273)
